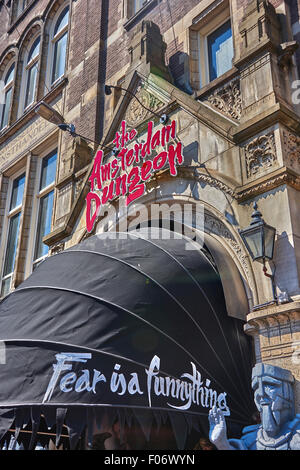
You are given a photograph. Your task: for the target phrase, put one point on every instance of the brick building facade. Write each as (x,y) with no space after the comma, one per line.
(240,128)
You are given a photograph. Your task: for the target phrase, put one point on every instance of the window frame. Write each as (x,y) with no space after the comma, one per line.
(30,65)
(27,66)
(144,3)
(132,17)
(9,214)
(54,38)
(21,6)
(210,24)
(38,195)
(6,88)
(207,51)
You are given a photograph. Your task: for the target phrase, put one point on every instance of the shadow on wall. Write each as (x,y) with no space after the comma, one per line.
(286,274)
(179,70)
(191,153)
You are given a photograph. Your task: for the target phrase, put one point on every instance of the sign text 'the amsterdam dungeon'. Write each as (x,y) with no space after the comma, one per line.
(126,175)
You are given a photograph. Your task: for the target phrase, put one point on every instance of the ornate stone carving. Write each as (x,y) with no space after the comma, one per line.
(292,148)
(227,99)
(58,248)
(212,181)
(213,225)
(271,183)
(135,112)
(260,154)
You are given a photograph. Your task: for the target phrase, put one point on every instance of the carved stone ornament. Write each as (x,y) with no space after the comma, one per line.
(78,186)
(292,148)
(217,227)
(135,112)
(58,248)
(227,99)
(260,154)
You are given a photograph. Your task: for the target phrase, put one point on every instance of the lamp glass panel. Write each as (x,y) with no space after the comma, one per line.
(253,240)
(269,241)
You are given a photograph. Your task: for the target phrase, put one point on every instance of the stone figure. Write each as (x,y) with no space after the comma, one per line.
(274,398)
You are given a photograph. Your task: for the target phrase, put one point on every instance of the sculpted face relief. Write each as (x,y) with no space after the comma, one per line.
(126,174)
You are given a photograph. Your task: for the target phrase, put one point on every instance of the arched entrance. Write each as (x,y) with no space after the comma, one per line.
(133,325)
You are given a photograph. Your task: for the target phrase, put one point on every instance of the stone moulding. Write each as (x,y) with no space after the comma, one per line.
(217,227)
(267,184)
(278,328)
(260,154)
(211,181)
(135,112)
(227,99)
(291,144)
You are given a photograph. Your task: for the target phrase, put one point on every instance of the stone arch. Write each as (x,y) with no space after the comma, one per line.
(52,8)
(11,53)
(32,29)
(227,249)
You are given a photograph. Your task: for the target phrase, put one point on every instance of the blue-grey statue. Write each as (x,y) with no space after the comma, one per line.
(274,399)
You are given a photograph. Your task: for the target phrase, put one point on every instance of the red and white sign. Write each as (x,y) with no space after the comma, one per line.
(126,175)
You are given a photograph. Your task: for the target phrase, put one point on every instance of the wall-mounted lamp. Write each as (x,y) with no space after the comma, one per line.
(50,114)
(259,240)
(163,118)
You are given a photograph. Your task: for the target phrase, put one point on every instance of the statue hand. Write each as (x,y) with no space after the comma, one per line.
(217,429)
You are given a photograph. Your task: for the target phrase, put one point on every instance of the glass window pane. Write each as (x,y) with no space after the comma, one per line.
(138,4)
(10,75)
(34,51)
(62,21)
(6,108)
(220,50)
(14,225)
(5,288)
(59,60)
(17,192)
(254,242)
(44,224)
(31,84)
(48,170)
(21,6)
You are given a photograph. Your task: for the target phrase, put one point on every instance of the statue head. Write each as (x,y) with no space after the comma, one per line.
(273,396)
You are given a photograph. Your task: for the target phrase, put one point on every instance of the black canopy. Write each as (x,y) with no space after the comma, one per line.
(135,324)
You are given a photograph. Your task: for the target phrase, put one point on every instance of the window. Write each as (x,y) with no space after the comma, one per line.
(138,4)
(14,217)
(211,47)
(220,51)
(7,96)
(22,4)
(134,6)
(45,199)
(59,45)
(31,70)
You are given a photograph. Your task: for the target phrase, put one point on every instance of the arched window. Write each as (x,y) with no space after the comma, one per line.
(7,96)
(31,70)
(59,45)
